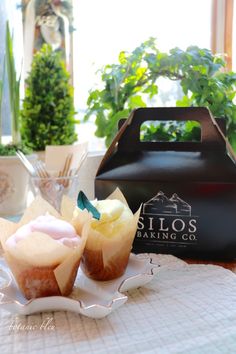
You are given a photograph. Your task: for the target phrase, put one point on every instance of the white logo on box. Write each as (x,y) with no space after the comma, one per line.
(167,220)
(161,204)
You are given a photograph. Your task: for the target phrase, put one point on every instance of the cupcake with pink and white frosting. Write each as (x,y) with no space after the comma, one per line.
(43,251)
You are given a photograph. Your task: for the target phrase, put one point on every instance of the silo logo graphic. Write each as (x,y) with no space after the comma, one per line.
(161,204)
(168,220)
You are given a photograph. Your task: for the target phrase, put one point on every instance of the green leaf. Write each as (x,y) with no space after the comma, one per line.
(14,86)
(135,102)
(122,57)
(184,102)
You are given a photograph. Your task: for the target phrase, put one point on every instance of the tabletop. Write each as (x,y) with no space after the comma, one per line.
(187,308)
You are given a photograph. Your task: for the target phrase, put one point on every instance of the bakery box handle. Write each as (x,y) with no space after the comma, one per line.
(128,136)
(210,136)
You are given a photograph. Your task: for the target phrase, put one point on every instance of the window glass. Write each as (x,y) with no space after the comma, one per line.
(104,28)
(234,39)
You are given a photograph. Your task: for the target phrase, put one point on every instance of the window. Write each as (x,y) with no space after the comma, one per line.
(223,25)
(104,28)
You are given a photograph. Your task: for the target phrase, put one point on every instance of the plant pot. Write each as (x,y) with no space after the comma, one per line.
(14,185)
(87,173)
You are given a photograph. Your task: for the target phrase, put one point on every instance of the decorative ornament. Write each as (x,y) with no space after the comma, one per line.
(84,203)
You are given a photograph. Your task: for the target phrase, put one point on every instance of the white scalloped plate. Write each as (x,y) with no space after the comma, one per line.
(91,298)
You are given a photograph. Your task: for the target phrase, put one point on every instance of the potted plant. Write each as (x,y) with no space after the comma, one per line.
(14,178)
(47,115)
(133,82)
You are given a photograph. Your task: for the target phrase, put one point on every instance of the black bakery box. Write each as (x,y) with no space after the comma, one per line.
(187,189)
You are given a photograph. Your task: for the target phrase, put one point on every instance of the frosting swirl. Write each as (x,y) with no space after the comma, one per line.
(114,216)
(58,229)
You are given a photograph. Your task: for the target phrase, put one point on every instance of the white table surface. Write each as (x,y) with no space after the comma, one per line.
(186,309)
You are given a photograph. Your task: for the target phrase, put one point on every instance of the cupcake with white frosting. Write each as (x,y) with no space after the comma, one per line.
(110,237)
(43,251)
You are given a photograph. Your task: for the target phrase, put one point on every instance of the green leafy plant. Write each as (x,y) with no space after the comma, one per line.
(14,88)
(171,131)
(10,149)
(133,82)
(14,99)
(47,116)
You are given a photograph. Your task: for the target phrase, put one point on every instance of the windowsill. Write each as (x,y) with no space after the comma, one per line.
(85,132)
